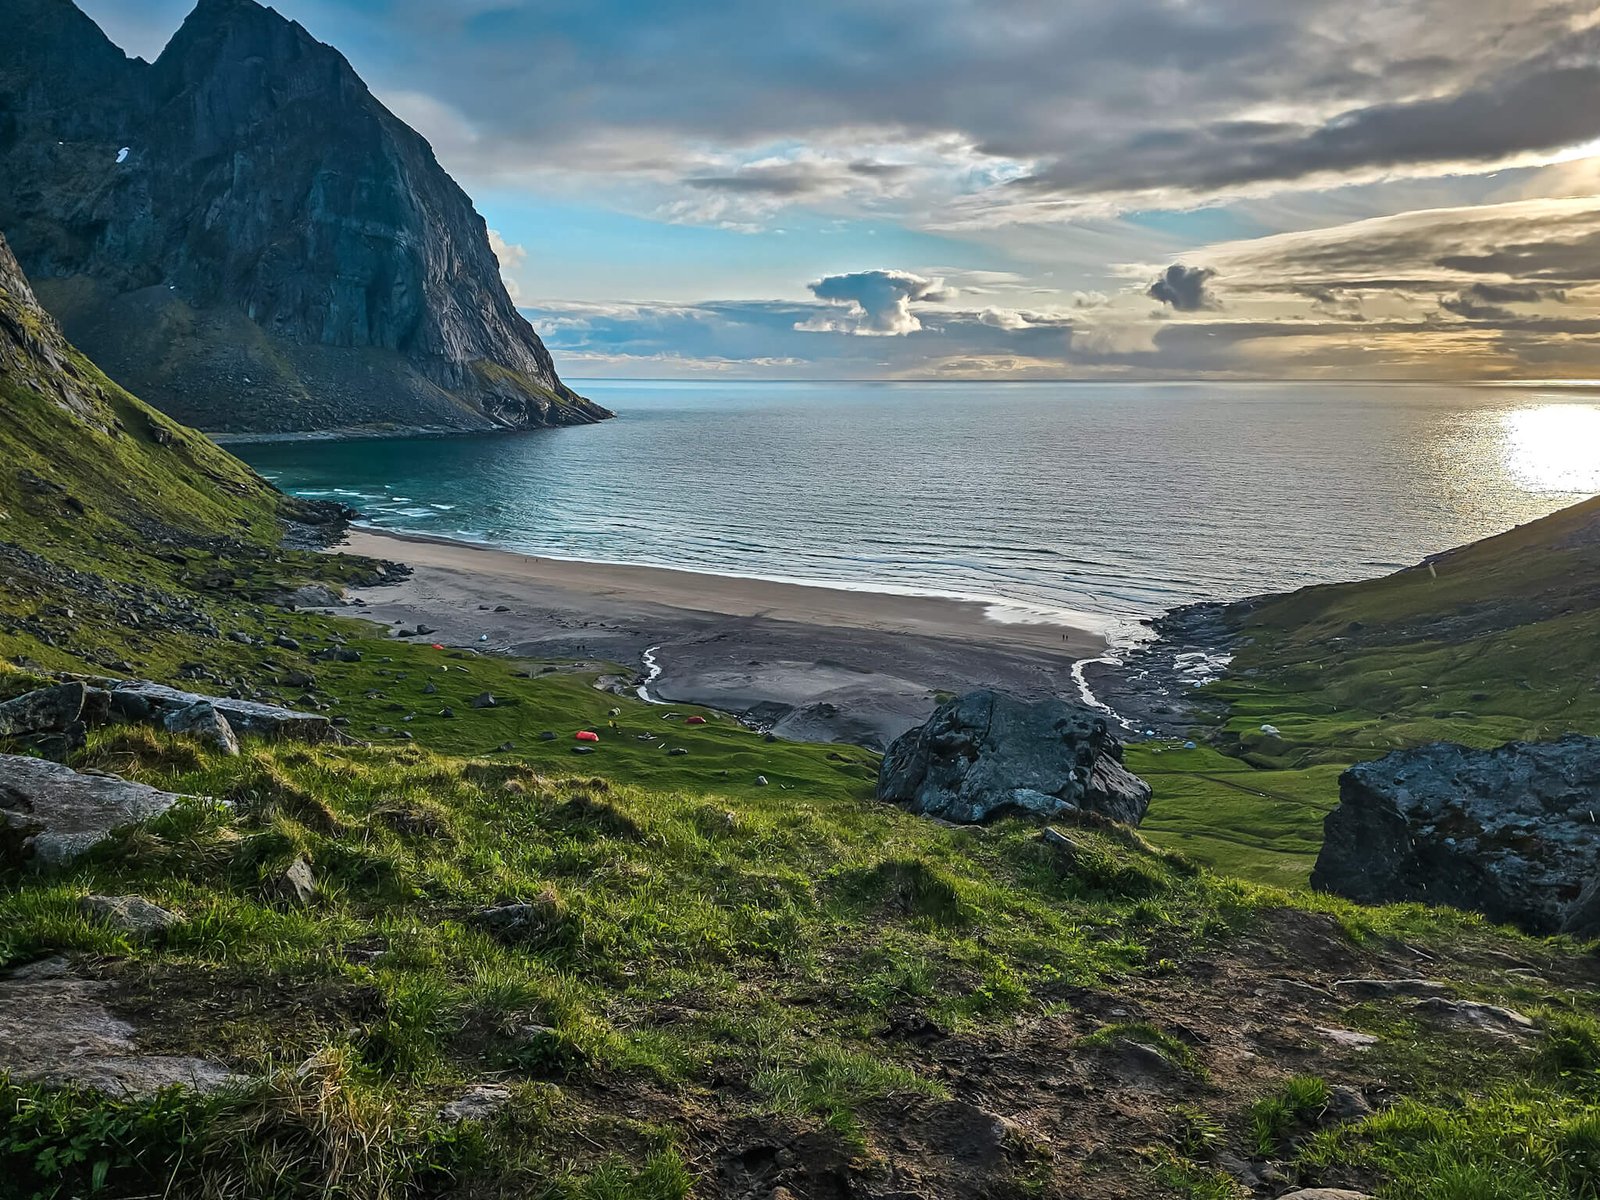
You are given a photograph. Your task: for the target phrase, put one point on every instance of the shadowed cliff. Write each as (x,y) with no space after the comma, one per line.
(241,233)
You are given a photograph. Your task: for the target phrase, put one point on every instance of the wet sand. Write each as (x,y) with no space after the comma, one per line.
(813,663)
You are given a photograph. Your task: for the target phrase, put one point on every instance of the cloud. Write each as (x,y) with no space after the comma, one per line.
(1004,318)
(511,256)
(1083,103)
(876,303)
(1184,288)
(1463,304)
(1532,107)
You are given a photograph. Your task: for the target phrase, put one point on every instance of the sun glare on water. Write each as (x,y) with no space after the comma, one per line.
(1554,447)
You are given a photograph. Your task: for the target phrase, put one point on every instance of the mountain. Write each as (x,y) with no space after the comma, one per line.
(243,235)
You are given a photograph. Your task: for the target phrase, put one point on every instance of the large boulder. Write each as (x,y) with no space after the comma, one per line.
(49,721)
(142,701)
(50,814)
(48,710)
(986,754)
(1513,833)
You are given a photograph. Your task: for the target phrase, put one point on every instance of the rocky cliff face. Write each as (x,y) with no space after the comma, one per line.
(243,235)
(1511,833)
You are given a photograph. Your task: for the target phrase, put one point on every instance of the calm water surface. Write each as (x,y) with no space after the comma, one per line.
(1112,500)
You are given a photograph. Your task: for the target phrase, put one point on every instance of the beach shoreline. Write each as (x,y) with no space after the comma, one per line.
(812,662)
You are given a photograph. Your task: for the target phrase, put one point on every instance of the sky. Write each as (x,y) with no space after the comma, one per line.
(1012,189)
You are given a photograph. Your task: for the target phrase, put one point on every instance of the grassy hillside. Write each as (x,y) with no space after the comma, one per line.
(1493,642)
(721,970)
(719,986)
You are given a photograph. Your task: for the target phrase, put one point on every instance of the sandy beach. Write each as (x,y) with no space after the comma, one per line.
(814,663)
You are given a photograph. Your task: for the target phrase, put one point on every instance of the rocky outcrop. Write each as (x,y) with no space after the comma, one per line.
(49,721)
(1513,833)
(985,754)
(50,814)
(202,721)
(143,701)
(243,235)
(56,1027)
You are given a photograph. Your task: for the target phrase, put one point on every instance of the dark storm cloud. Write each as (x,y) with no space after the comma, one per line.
(1548,103)
(1184,288)
(1464,305)
(1098,99)
(1508,293)
(1487,301)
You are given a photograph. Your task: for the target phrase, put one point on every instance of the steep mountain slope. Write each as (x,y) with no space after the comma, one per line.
(122,533)
(244,236)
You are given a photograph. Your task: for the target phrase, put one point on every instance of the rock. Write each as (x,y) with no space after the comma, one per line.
(51,814)
(506,747)
(1373,988)
(984,754)
(521,920)
(342,654)
(203,721)
(133,915)
(430,688)
(484,700)
(479,1103)
(501,608)
(299,679)
(47,710)
(284,642)
(245,717)
(1346,1103)
(313,595)
(96,707)
(1350,1038)
(1324,1194)
(1471,1014)
(56,1028)
(243,638)
(1513,833)
(299,882)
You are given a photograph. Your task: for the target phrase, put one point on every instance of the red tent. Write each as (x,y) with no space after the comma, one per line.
(587,735)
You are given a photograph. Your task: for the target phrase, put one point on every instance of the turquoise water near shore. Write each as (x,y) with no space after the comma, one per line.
(1112,500)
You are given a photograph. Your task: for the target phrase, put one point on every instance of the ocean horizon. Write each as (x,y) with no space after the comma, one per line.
(1094,504)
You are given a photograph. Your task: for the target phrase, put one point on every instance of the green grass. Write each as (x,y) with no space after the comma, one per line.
(1496,641)
(1528,1130)
(1294,1106)
(1265,826)
(1147,1034)
(652,892)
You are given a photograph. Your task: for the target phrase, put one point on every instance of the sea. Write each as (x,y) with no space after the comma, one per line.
(1103,504)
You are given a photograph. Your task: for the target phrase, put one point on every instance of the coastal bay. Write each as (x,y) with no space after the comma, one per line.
(815,663)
